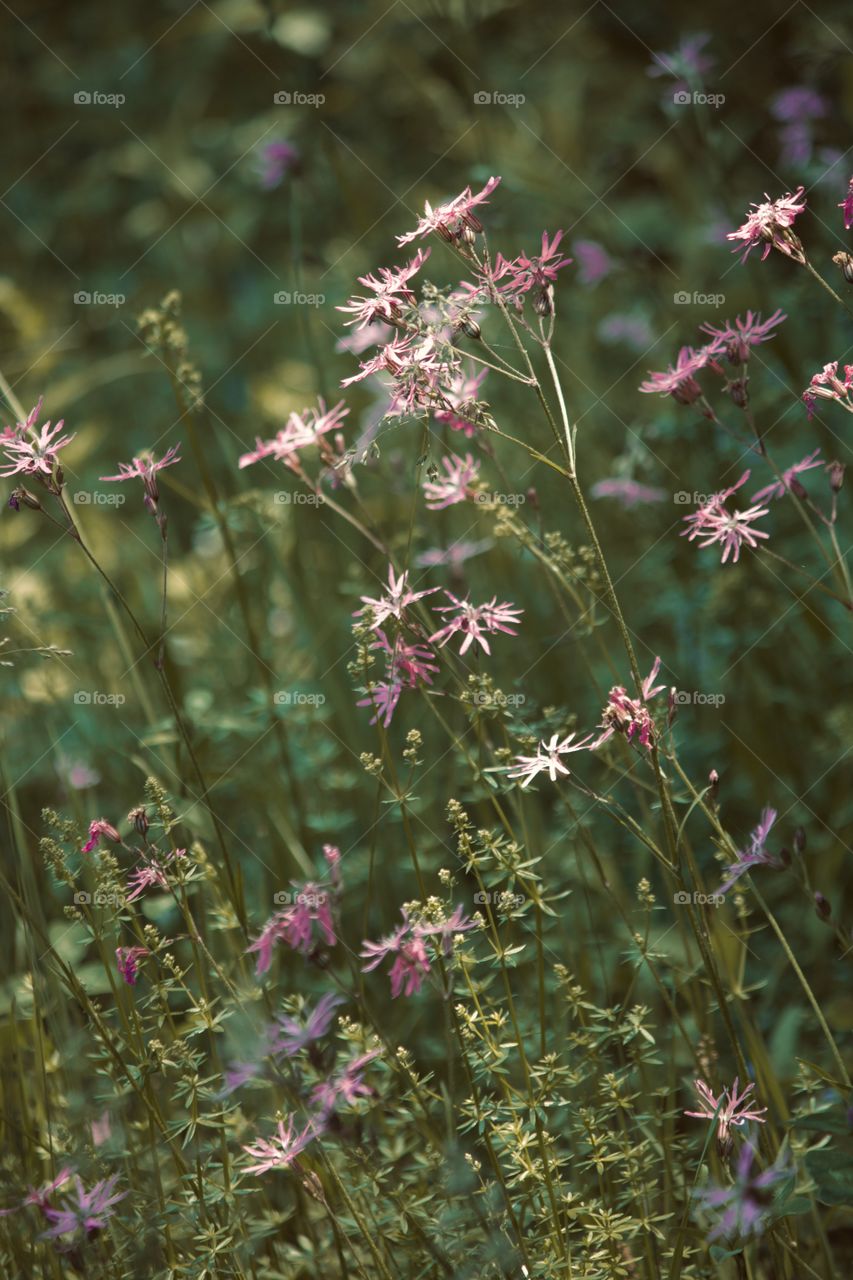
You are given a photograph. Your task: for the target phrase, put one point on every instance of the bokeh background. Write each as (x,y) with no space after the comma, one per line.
(136,161)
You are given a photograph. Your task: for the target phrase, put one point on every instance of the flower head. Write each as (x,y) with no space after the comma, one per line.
(847,205)
(299,432)
(277,159)
(455,486)
(679,380)
(735,341)
(631,716)
(32,452)
(731,1108)
(88,1211)
(145,467)
(455,220)
(347,1085)
(280,1150)
(397,598)
(406,666)
(460,407)
(594,262)
(294,925)
(98,830)
(630,493)
(731,530)
(742,1210)
(151,873)
(391,294)
(783,485)
(755,855)
(769,225)
(827,385)
(291,1035)
(127,960)
(548,758)
(474,622)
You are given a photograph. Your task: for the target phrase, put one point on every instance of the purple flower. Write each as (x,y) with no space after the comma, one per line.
(743,1209)
(756,854)
(280,1151)
(687,62)
(594,262)
(277,159)
(454,555)
(729,529)
(780,487)
(37,455)
(769,225)
(847,205)
(827,385)
(290,1035)
(406,666)
(798,103)
(294,925)
(460,409)
(630,716)
(89,1211)
(301,430)
(149,874)
(679,380)
(145,467)
(127,960)
(347,1085)
(98,830)
(411,960)
(730,1108)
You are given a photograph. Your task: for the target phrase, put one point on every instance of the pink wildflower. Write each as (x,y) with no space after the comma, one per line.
(410,958)
(127,960)
(461,407)
(145,467)
(150,873)
(679,380)
(392,295)
(290,1035)
(279,1151)
(294,926)
(407,666)
(98,830)
(37,455)
(756,854)
(474,622)
(631,716)
(827,385)
(446,491)
(277,159)
(347,1085)
(548,758)
(453,556)
(447,930)
(594,261)
(455,220)
(729,529)
(630,493)
(769,224)
(729,1109)
(783,485)
(300,431)
(847,205)
(735,341)
(90,1210)
(397,598)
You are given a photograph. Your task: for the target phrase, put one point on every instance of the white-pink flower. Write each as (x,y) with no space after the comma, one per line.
(548,758)
(731,530)
(474,622)
(454,220)
(36,455)
(454,486)
(398,596)
(280,1150)
(391,294)
(768,224)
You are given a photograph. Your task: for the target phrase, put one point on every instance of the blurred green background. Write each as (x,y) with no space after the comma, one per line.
(166,189)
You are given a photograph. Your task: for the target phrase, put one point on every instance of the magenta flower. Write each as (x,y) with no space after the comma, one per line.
(392,295)
(446,931)
(446,491)
(149,874)
(40,1196)
(290,1035)
(679,380)
(89,1211)
(847,205)
(630,493)
(145,467)
(631,716)
(294,926)
(282,1149)
(128,961)
(406,666)
(410,958)
(731,530)
(525,273)
(735,341)
(301,430)
(769,225)
(98,830)
(474,622)
(348,1085)
(827,385)
(37,455)
(687,62)
(755,855)
(780,487)
(742,1210)
(397,598)
(548,758)
(453,556)
(455,220)
(277,159)
(729,1109)
(594,262)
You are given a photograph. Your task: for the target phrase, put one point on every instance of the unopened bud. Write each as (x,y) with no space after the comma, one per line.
(713,784)
(22,495)
(138,819)
(799,841)
(543,300)
(532,498)
(739,392)
(468,325)
(844,262)
(822,907)
(836,476)
(797,489)
(785,857)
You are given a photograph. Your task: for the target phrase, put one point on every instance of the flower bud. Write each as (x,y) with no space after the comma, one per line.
(836,476)
(543,300)
(799,841)
(844,262)
(739,392)
(138,819)
(797,489)
(713,784)
(822,907)
(468,325)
